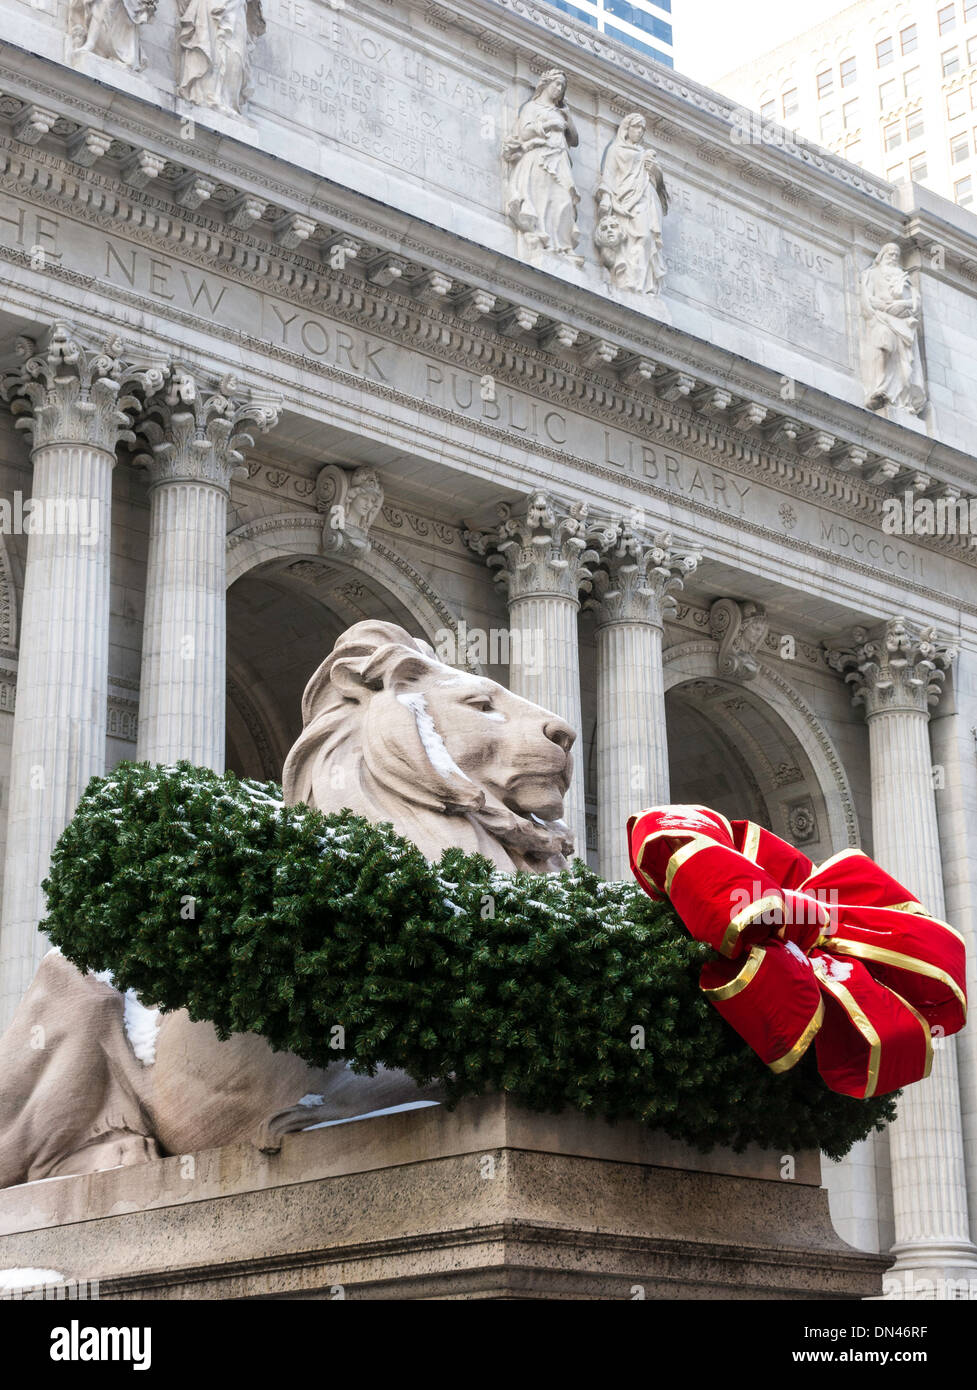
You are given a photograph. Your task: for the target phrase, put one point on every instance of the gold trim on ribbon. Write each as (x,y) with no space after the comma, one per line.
(835,859)
(739,981)
(881,954)
(861,1021)
(748,915)
(916,909)
(791,1058)
(751,844)
(927,1032)
(682,855)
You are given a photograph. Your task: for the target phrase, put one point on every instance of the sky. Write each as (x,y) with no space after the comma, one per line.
(714,36)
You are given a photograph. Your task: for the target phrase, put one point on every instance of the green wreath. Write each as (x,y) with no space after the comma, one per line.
(205,892)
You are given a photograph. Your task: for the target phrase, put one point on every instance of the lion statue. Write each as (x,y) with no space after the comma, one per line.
(92,1079)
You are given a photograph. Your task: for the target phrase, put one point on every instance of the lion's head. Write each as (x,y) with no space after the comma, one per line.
(449,757)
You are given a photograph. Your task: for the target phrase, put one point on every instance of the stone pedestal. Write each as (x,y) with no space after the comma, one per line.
(487,1201)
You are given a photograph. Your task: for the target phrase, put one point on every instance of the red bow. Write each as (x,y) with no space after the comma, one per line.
(842,956)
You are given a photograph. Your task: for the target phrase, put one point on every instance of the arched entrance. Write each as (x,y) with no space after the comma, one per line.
(287,603)
(754,750)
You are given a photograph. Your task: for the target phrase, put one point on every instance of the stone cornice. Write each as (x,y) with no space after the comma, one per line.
(482,343)
(586,466)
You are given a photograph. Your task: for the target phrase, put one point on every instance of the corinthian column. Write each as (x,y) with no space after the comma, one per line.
(896,672)
(541,558)
(632,589)
(195,441)
(76,402)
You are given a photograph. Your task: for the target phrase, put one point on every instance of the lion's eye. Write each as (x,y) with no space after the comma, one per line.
(481,702)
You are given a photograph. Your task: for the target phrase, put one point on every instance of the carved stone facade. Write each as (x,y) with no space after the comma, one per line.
(652,502)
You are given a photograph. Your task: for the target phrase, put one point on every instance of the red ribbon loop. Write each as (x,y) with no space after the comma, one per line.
(841,955)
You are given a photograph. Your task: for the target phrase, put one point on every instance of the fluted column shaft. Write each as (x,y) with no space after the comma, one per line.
(897,672)
(540,556)
(193,453)
(62,692)
(182,685)
(544,667)
(632,749)
(635,577)
(71,398)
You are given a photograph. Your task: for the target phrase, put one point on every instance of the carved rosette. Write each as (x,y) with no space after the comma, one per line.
(637,576)
(195,434)
(351,502)
(543,550)
(74,393)
(896,666)
(739,628)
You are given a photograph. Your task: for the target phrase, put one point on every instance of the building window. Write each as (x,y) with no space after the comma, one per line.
(896,174)
(951,62)
(768,110)
(912,82)
(969,11)
(959,148)
(848,72)
(854,152)
(947,18)
(892,135)
(914,126)
(917,167)
(791,104)
(909,38)
(971,52)
(849,113)
(887,94)
(956,103)
(826,83)
(963,191)
(829,125)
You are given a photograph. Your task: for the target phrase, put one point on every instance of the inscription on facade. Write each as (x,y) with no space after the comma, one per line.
(747,267)
(352,85)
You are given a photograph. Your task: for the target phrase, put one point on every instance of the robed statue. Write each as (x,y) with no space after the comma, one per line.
(892,369)
(110,29)
(217,39)
(631,203)
(541,199)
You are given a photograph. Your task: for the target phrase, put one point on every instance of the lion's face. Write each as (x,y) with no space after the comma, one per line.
(463,726)
(395,734)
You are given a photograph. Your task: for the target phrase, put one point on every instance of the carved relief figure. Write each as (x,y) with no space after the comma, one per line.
(351,503)
(390,731)
(217,39)
(631,202)
(892,370)
(110,29)
(541,199)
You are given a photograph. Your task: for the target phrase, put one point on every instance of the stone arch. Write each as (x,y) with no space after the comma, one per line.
(298,534)
(689,662)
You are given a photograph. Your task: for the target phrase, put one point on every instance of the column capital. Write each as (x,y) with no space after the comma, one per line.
(636,575)
(539,550)
(897,665)
(193,429)
(77,391)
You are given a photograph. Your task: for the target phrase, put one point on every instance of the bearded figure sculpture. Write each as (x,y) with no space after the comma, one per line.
(392,733)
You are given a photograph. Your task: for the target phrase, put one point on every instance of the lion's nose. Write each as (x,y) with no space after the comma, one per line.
(560,733)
